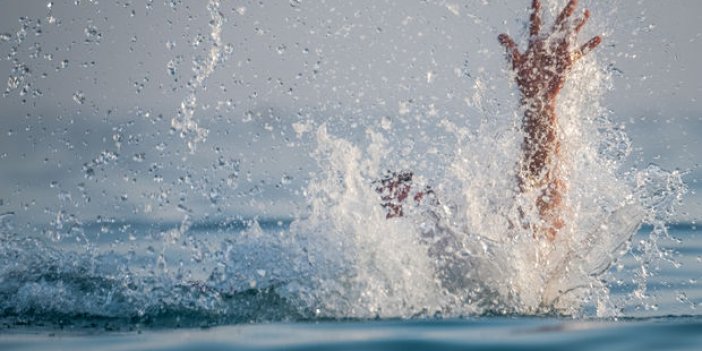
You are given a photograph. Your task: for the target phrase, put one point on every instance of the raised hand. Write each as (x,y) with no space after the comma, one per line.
(541,72)
(542,68)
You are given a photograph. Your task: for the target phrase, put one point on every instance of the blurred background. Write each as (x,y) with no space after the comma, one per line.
(106,104)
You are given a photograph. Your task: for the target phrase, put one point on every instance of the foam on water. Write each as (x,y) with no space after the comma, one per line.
(466,255)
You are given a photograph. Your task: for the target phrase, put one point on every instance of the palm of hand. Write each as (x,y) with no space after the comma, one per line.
(541,70)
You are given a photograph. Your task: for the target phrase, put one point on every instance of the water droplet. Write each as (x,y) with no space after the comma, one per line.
(248,117)
(171,67)
(79,97)
(92,34)
(681,297)
(89,171)
(404,107)
(386,123)
(64,196)
(228,49)
(233,180)
(140,157)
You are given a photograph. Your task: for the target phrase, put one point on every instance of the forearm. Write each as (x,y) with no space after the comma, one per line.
(541,145)
(539,169)
(541,72)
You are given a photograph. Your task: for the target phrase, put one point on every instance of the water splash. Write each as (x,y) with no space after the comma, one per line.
(469,254)
(184,122)
(342,258)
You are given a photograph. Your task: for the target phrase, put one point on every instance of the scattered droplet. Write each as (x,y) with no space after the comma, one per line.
(140,157)
(79,97)
(233,180)
(386,123)
(92,34)
(171,67)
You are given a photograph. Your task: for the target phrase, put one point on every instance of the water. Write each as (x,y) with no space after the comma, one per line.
(244,213)
(469,333)
(73,302)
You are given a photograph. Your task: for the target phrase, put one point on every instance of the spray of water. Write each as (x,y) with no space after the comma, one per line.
(184,123)
(467,253)
(462,254)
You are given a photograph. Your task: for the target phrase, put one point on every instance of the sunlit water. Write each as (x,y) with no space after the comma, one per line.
(443,275)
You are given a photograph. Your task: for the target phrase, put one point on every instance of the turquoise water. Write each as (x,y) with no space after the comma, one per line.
(261,319)
(484,333)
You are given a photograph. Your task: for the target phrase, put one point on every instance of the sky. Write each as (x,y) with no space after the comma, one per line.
(92,89)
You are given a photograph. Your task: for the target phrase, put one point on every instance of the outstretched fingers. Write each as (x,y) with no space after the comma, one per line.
(591,44)
(587,47)
(511,47)
(583,20)
(535,19)
(567,12)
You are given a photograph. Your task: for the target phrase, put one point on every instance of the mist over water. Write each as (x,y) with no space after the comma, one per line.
(153,256)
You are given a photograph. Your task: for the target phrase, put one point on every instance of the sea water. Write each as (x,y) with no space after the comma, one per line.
(336,273)
(75,307)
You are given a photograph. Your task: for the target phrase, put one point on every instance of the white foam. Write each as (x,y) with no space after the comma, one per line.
(470,255)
